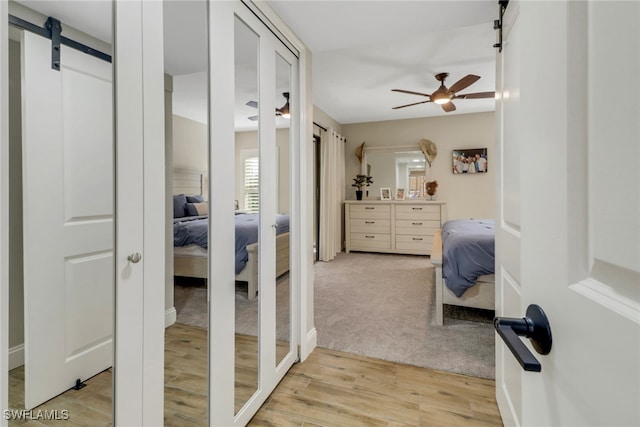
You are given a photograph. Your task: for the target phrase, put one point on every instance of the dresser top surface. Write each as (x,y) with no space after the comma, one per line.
(394,202)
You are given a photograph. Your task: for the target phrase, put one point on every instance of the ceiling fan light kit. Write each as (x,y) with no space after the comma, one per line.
(281,112)
(443,96)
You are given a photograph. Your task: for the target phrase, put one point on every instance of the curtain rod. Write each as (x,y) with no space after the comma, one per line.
(321,127)
(325,129)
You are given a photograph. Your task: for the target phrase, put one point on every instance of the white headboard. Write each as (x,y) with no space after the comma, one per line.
(190,182)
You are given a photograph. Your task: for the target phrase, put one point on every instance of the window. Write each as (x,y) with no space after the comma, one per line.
(252,184)
(416,184)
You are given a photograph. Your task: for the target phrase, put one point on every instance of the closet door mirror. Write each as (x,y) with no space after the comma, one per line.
(61,212)
(187,150)
(247,212)
(283,155)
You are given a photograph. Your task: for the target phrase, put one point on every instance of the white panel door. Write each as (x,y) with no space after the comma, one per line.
(569,215)
(68,218)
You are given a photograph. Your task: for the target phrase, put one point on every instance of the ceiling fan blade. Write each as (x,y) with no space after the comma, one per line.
(253,118)
(463,83)
(410,91)
(448,107)
(409,105)
(253,104)
(477,95)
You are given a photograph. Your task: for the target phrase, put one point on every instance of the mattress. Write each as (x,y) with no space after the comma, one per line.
(190,250)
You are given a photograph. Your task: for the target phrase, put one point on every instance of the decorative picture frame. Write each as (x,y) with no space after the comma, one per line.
(469,161)
(400,193)
(385,193)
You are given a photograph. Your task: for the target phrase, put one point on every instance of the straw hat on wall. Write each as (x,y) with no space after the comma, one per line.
(359,152)
(429,149)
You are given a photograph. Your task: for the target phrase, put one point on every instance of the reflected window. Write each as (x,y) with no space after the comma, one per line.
(252,184)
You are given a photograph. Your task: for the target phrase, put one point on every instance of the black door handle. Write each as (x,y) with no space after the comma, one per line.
(534,326)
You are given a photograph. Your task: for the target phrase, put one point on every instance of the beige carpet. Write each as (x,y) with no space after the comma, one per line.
(384,305)
(374,305)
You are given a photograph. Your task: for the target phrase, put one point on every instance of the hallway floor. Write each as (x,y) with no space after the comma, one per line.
(330,388)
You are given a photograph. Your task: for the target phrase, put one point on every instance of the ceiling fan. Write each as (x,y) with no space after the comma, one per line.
(282,111)
(444,96)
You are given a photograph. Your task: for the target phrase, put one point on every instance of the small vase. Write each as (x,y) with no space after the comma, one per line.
(358,194)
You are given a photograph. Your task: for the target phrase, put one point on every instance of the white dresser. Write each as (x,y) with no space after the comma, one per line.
(400,227)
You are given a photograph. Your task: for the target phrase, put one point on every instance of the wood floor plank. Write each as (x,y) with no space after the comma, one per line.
(329,389)
(366,403)
(324,414)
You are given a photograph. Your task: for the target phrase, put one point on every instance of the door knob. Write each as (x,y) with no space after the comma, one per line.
(135,258)
(534,326)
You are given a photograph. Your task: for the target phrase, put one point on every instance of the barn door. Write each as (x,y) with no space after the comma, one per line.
(68,218)
(567,235)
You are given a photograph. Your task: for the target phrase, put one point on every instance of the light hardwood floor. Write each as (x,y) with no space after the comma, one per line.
(329,389)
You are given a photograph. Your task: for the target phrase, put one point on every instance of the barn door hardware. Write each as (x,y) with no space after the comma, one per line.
(497,24)
(55,28)
(52,30)
(79,385)
(534,326)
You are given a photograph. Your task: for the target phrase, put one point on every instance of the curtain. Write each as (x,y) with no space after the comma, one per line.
(332,192)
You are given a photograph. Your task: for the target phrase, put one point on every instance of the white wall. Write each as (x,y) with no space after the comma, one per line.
(170,313)
(189,144)
(16,301)
(467,196)
(325,120)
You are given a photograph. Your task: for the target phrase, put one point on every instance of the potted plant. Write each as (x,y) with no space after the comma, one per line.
(361,181)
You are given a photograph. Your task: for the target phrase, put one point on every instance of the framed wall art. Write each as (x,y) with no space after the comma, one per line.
(469,161)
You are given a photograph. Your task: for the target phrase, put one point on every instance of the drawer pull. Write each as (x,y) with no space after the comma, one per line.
(369,222)
(416,223)
(417,238)
(370,237)
(417,209)
(369,207)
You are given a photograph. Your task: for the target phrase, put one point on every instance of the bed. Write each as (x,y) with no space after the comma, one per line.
(467,276)
(190,259)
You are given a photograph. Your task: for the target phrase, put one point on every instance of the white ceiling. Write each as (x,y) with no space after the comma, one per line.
(361,50)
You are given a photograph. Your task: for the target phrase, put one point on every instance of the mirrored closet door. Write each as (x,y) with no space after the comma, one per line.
(251,341)
(186,379)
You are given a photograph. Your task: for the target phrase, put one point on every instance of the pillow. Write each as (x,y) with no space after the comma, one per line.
(197,209)
(179,203)
(195,199)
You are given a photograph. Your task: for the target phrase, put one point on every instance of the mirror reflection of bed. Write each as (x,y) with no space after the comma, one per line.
(190,244)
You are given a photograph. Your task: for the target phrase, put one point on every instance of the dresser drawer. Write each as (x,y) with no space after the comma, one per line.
(421,227)
(370,211)
(370,241)
(371,225)
(411,212)
(420,243)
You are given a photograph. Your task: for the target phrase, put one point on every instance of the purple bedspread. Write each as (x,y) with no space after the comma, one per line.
(468,251)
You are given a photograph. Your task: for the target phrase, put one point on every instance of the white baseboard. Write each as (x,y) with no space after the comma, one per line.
(16,356)
(170,316)
(310,343)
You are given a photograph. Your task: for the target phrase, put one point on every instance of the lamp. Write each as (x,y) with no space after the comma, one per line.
(284,110)
(441,96)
